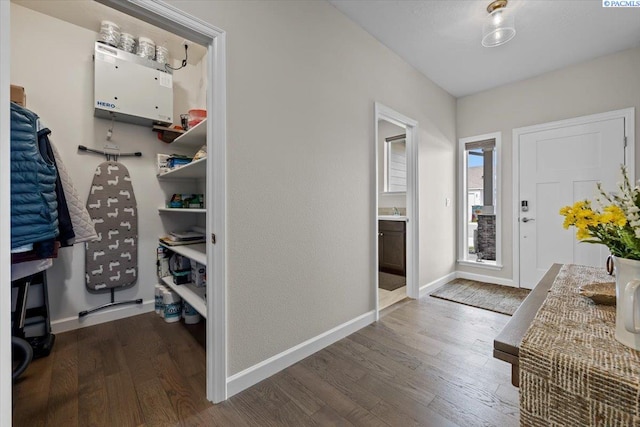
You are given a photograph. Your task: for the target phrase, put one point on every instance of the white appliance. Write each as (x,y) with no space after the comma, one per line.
(131,89)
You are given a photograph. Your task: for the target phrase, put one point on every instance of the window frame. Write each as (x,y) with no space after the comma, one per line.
(463,255)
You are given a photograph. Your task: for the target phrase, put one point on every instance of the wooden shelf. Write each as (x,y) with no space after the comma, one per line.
(196,252)
(195,137)
(182,210)
(196,169)
(192,294)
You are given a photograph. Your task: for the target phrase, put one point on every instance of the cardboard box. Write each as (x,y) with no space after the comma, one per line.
(18,95)
(191,201)
(198,274)
(163,166)
(163,255)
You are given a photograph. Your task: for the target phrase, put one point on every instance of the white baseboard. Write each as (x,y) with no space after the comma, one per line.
(486,279)
(71,323)
(253,375)
(426,289)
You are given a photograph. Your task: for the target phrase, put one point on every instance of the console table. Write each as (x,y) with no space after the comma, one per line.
(506,346)
(573,372)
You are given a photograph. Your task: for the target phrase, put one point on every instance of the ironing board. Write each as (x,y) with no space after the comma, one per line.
(112,259)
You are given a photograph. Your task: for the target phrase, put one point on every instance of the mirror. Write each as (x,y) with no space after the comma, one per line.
(395,164)
(392,162)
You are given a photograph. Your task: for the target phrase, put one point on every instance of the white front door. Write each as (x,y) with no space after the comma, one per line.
(559,167)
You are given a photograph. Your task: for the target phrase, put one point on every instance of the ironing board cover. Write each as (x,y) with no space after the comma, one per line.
(112,259)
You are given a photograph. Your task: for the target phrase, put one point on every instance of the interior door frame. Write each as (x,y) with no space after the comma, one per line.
(178,22)
(172,19)
(5,221)
(382,112)
(628,114)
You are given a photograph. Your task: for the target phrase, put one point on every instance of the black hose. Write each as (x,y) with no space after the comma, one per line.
(25,357)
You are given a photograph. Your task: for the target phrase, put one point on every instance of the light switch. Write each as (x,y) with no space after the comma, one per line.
(447,202)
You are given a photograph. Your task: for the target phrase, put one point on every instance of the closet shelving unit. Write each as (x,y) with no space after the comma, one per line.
(196,252)
(197,169)
(182,210)
(194,138)
(192,294)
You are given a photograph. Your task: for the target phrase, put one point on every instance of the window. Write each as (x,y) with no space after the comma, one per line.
(479,225)
(395,162)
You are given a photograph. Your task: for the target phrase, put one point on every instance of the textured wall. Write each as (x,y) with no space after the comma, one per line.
(302,82)
(486,243)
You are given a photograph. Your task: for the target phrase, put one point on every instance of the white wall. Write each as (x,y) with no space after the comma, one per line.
(53,61)
(302,82)
(189,88)
(607,83)
(385,130)
(6,365)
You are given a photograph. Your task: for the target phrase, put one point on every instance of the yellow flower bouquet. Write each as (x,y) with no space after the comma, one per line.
(615,224)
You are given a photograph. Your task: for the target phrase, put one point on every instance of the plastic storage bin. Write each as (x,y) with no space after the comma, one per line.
(109,33)
(146,48)
(196,116)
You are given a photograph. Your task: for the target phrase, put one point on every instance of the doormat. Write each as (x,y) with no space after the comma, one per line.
(390,282)
(501,299)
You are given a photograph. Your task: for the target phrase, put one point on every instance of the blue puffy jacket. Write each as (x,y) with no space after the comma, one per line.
(34,216)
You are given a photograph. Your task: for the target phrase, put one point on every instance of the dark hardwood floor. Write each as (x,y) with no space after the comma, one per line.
(425,363)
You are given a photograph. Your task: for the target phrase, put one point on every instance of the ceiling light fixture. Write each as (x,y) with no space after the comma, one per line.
(499,27)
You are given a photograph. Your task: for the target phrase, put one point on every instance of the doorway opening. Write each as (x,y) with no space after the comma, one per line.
(212,40)
(395,210)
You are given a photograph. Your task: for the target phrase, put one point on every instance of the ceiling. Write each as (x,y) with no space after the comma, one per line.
(441,38)
(89,14)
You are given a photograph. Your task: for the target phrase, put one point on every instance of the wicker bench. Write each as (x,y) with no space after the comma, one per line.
(506,346)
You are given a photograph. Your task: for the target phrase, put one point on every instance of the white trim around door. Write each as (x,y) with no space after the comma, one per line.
(178,22)
(5,222)
(382,112)
(171,19)
(628,114)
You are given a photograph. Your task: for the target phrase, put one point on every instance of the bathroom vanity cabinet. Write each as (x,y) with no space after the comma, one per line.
(392,243)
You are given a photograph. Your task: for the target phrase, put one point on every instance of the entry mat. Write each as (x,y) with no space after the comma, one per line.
(390,282)
(501,299)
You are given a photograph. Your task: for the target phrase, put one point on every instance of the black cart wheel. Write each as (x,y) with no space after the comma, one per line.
(22,354)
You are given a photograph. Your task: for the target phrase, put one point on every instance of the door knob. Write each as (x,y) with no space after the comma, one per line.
(525,219)
(380,234)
